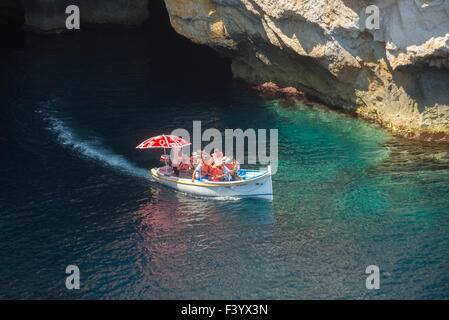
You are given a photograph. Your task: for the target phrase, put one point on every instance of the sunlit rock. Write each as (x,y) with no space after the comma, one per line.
(397,75)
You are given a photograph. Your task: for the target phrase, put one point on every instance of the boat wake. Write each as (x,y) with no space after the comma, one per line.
(90,147)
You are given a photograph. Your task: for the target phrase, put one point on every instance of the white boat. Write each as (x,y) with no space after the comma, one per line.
(254,184)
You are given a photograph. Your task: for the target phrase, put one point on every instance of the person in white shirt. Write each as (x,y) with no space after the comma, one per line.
(202,170)
(228,171)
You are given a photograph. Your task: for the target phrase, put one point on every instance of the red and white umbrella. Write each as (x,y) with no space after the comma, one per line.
(163,141)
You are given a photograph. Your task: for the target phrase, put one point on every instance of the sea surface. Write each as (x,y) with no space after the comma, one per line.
(74,190)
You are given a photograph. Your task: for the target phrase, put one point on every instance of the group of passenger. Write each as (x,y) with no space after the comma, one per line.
(213,167)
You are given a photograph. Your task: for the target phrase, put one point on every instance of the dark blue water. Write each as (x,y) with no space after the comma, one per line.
(74,189)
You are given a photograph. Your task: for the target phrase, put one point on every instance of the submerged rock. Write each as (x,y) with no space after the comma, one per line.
(397,75)
(49,15)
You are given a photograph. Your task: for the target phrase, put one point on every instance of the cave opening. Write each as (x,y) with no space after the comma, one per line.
(12,19)
(175,60)
(186,60)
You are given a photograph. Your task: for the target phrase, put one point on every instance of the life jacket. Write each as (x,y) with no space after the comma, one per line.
(217,172)
(230,166)
(205,170)
(184,167)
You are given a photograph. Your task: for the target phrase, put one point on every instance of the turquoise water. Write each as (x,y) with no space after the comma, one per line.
(76,191)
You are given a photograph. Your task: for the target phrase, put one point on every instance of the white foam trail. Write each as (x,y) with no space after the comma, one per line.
(90,148)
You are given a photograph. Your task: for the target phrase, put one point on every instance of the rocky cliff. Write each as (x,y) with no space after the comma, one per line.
(50,16)
(397,74)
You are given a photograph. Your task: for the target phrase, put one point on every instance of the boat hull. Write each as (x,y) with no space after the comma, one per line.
(257,187)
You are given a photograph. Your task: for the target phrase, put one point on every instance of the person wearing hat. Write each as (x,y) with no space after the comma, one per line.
(194,161)
(234,167)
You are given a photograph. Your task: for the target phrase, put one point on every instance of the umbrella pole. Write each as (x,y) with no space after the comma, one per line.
(166,164)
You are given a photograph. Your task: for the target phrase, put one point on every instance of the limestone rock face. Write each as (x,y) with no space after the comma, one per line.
(397,74)
(50,16)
